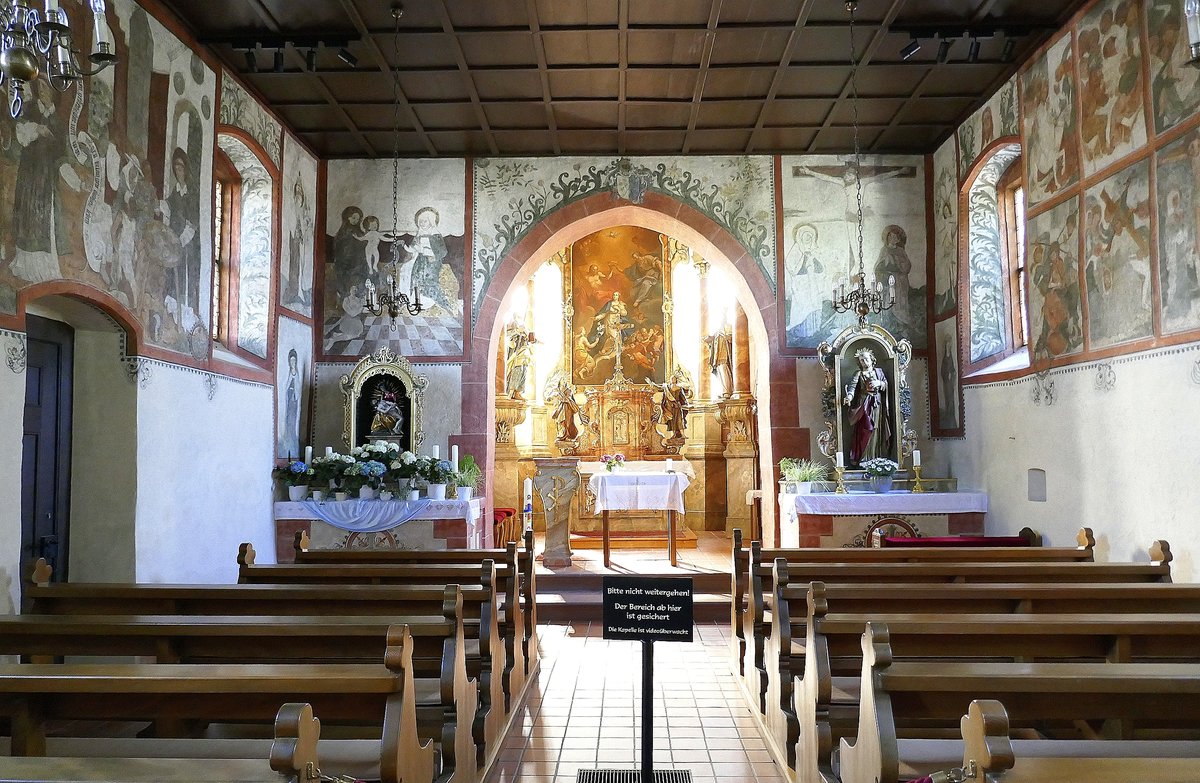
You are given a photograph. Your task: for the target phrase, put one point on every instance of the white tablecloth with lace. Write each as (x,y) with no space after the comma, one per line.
(638,491)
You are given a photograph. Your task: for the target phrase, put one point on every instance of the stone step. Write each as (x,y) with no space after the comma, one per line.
(702,582)
(581,605)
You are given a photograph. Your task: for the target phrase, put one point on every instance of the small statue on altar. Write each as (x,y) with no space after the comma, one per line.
(389,416)
(720,359)
(565,411)
(519,358)
(676,400)
(870,415)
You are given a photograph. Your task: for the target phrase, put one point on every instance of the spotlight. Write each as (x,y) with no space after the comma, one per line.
(345,56)
(973,51)
(311,59)
(944,50)
(278,61)
(251,61)
(913,47)
(1010,45)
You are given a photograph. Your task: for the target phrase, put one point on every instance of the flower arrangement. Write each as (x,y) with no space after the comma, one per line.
(880,466)
(613,461)
(294,474)
(436,471)
(803,469)
(403,466)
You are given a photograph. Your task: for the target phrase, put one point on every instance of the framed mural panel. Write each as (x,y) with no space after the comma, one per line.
(1117,258)
(1174,85)
(299,203)
(1111,88)
(1178,182)
(427,255)
(293,386)
(820,242)
(945,230)
(1049,102)
(241,110)
(1055,304)
(945,380)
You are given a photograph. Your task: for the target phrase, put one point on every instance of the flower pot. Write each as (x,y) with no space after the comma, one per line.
(298,492)
(436,492)
(366,493)
(414,494)
(881,483)
(464,493)
(385,495)
(318,495)
(339,496)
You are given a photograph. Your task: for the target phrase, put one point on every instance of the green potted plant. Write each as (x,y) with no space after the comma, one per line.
(880,472)
(295,476)
(800,474)
(468,477)
(437,473)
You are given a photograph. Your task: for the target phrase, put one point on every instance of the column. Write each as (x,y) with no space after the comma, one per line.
(741,354)
(738,416)
(704,382)
(506,479)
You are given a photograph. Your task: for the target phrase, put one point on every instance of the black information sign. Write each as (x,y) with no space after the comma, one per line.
(648,609)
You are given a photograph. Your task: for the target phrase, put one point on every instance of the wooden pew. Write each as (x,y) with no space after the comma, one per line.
(293,757)
(359,694)
(895,694)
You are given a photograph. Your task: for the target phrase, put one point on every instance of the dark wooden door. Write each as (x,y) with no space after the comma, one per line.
(46,448)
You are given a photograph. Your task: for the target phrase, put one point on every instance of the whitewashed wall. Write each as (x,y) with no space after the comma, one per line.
(12,399)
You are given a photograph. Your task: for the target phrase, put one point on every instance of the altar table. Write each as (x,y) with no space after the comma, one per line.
(639,490)
(809,519)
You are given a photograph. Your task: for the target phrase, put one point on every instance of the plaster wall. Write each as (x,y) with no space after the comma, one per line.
(204,483)
(12,399)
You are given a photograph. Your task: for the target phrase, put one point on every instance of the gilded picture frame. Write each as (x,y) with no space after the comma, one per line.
(370,368)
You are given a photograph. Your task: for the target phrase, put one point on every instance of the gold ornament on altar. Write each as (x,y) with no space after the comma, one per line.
(383,398)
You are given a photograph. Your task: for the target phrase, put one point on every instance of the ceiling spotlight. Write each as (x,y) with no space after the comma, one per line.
(1010,45)
(345,56)
(944,50)
(913,47)
(973,51)
(278,61)
(251,61)
(397,10)
(311,59)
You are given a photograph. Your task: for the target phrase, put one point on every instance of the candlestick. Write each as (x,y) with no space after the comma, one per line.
(917,485)
(841,479)
(841,460)
(916,458)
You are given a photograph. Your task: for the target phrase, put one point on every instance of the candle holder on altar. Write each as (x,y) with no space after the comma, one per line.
(841,481)
(917,485)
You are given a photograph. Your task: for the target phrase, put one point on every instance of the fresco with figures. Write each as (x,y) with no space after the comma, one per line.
(1055,306)
(293,386)
(114,196)
(241,110)
(513,194)
(298,219)
(1116,236)
(1174,85)
(945,230)
(985,258)
(1049,103)
(617,295)
(425,255)
(1178,183)
(995,119)
(256,244)
(820,222)
(1111,89)
(948,416)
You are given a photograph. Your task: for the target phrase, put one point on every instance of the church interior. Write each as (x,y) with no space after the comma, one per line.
(340,332)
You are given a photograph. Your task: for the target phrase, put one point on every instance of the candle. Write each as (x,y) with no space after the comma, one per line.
(329,451)
(437,452)
(916,458)
(670,465)
(454,456)
(527,494)
(307,454)
(841,460)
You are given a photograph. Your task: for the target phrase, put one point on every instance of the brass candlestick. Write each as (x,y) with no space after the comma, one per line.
(918,486)
(841,481)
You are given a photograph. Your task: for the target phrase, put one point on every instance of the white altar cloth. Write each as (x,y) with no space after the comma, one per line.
(638,490)
(593,467)
(897,502)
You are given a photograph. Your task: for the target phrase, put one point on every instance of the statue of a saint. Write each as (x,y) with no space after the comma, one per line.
(519,358)
(389,416)
(676,399)
(720,359)
(870,412)
(565,411)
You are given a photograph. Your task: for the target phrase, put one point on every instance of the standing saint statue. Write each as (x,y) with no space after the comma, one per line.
(720,359)
(676,400)
(870,414)
(519,358)
(565,411)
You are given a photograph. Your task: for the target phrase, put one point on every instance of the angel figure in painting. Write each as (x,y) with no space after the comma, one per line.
(867,399)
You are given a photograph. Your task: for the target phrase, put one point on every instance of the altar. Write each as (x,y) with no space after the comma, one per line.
(857,519)
(435,525)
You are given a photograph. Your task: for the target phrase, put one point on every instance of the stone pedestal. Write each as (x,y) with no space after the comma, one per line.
(705,499)
(506,479)
(556,482)
(737,419)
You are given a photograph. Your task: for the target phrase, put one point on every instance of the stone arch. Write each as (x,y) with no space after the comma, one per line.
(122,318)
(775,386)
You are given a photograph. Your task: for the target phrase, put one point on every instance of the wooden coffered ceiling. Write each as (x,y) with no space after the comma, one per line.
(552,77)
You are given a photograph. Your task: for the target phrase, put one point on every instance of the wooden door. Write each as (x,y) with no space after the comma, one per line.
(46,446)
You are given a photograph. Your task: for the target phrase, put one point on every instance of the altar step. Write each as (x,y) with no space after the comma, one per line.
(577,597)
(626,539)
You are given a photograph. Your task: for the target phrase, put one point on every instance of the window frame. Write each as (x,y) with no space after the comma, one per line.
(1013,257)
(225,260)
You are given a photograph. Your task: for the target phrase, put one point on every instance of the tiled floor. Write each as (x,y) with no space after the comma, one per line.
(585,711)
(712,553)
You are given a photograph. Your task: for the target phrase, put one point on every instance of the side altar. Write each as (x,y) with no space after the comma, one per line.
(859,519)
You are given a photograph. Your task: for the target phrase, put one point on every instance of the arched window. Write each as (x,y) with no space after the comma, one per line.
(227,202)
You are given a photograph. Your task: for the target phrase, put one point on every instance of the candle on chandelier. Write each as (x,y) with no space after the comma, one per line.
(916,458)
(841,460)
(892,285)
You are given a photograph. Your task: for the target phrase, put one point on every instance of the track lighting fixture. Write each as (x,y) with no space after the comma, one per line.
(310,59)
(251,61)
(973,51)
(944,50)
(913,47)
(278,61)
(1010,47)
(345,56)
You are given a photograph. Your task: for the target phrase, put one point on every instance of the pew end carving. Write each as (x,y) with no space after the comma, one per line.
(294,751)
(403,757)
(1085,539)
(300,541)
(245,554)
(873,755)
(986,746)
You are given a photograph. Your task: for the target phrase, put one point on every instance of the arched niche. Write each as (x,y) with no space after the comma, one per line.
(383,399)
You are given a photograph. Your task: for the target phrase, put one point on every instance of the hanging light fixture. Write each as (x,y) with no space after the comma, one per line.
(32,43)
(861,299)
(392,300)
(1191,18)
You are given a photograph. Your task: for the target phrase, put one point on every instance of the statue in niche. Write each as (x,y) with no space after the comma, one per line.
(565,412)
(519,358)
(676,400)
(720,359)
(867,398)
(388,420)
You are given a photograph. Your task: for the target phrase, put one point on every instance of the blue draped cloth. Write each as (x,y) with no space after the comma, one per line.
(365,516)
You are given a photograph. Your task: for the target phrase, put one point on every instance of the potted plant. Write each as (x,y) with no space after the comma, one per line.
(437,473)
(295,476)
(613,461)
(325,471)
(800,474)
(468,477)
(353,478)
(880,471)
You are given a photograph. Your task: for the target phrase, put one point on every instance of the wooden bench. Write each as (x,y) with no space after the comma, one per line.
(359,694)
(898,694)
(293,757)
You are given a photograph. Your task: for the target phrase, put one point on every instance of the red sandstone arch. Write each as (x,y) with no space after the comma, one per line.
(779,416)
(101,300)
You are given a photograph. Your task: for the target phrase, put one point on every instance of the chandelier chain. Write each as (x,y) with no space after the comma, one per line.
(851,6)
(396,132)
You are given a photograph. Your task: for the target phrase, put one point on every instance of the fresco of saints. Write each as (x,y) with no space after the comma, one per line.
(804,286)
(427,251)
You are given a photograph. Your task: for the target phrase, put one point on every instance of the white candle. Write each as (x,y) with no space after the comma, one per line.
(670,465)
(454,456)
(307,454)
(916,458)
(437,452)
(527,494)
(841,460)
(329,451)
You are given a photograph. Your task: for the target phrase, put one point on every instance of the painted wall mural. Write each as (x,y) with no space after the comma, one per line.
(1055,306)
(298,220)
(948,416)
(1111,89)
(256,244)
(1117,257)
(113,195)
(1049,98)
(513,194)
(426,255)
(1178,182)
(1174,85)
(241,110)
(985,259)
(995,119)
(820,234)
(293,386)
(945,230)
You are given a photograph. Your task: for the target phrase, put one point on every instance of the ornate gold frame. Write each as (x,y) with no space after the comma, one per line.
(893,356)
(383,362)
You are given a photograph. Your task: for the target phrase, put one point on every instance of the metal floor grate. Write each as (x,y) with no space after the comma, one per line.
(632,776)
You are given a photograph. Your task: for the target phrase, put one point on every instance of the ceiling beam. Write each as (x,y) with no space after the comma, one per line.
(539,49)
(784,61)
(710,40)
(468,77)
(623,65)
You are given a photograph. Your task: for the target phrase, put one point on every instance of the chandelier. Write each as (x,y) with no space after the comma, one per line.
(393,300)
(861,299)
(28,37)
